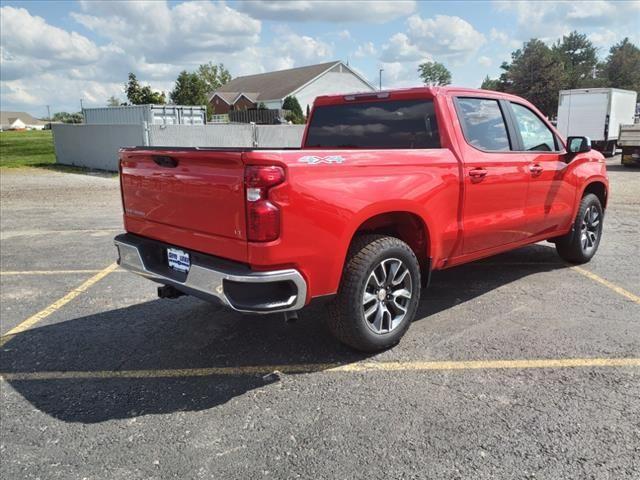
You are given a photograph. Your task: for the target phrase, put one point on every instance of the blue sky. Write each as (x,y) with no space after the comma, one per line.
(56,52)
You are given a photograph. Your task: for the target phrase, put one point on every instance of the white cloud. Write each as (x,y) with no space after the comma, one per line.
(485,61)
(29,45)
(548,21)
(290,49)
(43,64)
(503,38)
(400,48)
(498,36)
(367,49)
(187,31)
(344,35)
(597,9)
(338,11)
(442,37)
(604,38)
(400,74)
(445,35)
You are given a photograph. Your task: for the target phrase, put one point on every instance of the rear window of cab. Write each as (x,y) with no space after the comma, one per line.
(399,124)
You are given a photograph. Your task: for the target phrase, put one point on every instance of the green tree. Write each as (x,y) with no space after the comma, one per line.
(295,116)
(535,74)
(491,84)
(214,76)
(189,89)
(621,69)
(139,95)
(155,98)
(66,117)
(133,90)
(579,59)
(113,101)
(434,74)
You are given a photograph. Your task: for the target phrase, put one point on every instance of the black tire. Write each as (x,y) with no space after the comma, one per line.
(346,317)
(610,149)
(581,243)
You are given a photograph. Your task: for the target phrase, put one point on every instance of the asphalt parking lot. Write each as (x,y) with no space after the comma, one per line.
(518,367)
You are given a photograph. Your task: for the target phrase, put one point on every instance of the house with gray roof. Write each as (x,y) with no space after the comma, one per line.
(19,121)
(304,83)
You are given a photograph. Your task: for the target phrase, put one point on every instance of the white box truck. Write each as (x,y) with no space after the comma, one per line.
(596,113)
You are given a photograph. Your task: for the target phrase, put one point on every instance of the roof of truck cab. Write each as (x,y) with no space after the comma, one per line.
(413,92)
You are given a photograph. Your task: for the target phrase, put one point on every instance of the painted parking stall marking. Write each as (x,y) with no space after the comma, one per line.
(358,367)
(57,305)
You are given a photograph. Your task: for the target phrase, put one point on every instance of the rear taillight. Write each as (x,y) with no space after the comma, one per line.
(263,217)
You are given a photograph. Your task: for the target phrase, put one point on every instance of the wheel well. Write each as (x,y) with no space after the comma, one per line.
(406,226)
(599,190)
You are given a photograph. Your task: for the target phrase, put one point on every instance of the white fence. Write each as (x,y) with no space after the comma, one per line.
(93,146)
(220,135)
(96,146)
(279,136)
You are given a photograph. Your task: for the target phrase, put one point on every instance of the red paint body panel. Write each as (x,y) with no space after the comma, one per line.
(200,204)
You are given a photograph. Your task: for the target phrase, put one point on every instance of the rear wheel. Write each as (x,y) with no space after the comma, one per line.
(378,296)
(610,149)
(581,244)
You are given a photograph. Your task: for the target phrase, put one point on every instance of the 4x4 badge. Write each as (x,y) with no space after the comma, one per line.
(314,160)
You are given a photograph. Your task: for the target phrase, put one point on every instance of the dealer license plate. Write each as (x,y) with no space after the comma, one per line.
(178,259)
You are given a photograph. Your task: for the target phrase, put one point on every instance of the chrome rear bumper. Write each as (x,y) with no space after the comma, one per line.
(238,288)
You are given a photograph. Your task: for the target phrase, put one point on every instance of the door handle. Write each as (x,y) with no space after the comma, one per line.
(535,169)
(477,173)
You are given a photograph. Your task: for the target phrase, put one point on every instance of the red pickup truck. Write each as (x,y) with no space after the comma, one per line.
(386,188)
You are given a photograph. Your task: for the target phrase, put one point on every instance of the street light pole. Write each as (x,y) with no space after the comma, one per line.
(380,84)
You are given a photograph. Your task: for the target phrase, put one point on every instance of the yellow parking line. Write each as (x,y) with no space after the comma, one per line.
(607,283)
(358,367)
(50,272)
(55,306)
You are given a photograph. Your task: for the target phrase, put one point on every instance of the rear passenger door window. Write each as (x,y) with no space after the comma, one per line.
(483,124)
(536,136)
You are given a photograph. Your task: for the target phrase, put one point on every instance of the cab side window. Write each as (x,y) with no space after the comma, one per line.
(483,124)
(535,134)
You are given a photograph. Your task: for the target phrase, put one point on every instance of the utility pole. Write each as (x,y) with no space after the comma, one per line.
(48,113)
(81,107)
(380,84)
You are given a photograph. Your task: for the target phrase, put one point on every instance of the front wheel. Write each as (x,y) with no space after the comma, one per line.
(581,244)
(378,296)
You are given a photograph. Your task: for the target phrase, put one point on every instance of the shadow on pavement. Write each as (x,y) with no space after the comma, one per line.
(621,168)
(187,334)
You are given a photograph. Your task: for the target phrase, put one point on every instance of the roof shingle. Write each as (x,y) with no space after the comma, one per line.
(274,85)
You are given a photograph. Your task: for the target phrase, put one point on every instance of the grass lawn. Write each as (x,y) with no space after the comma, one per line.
(32,148)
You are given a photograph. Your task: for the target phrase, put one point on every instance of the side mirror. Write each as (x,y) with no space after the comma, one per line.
(578,145)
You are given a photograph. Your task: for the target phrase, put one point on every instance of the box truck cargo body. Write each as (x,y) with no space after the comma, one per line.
(596,113)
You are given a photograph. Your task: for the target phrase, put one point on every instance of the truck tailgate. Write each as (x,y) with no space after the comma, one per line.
(191,196)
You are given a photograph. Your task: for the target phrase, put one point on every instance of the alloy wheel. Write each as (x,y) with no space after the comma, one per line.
(387,295)
(590,229)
